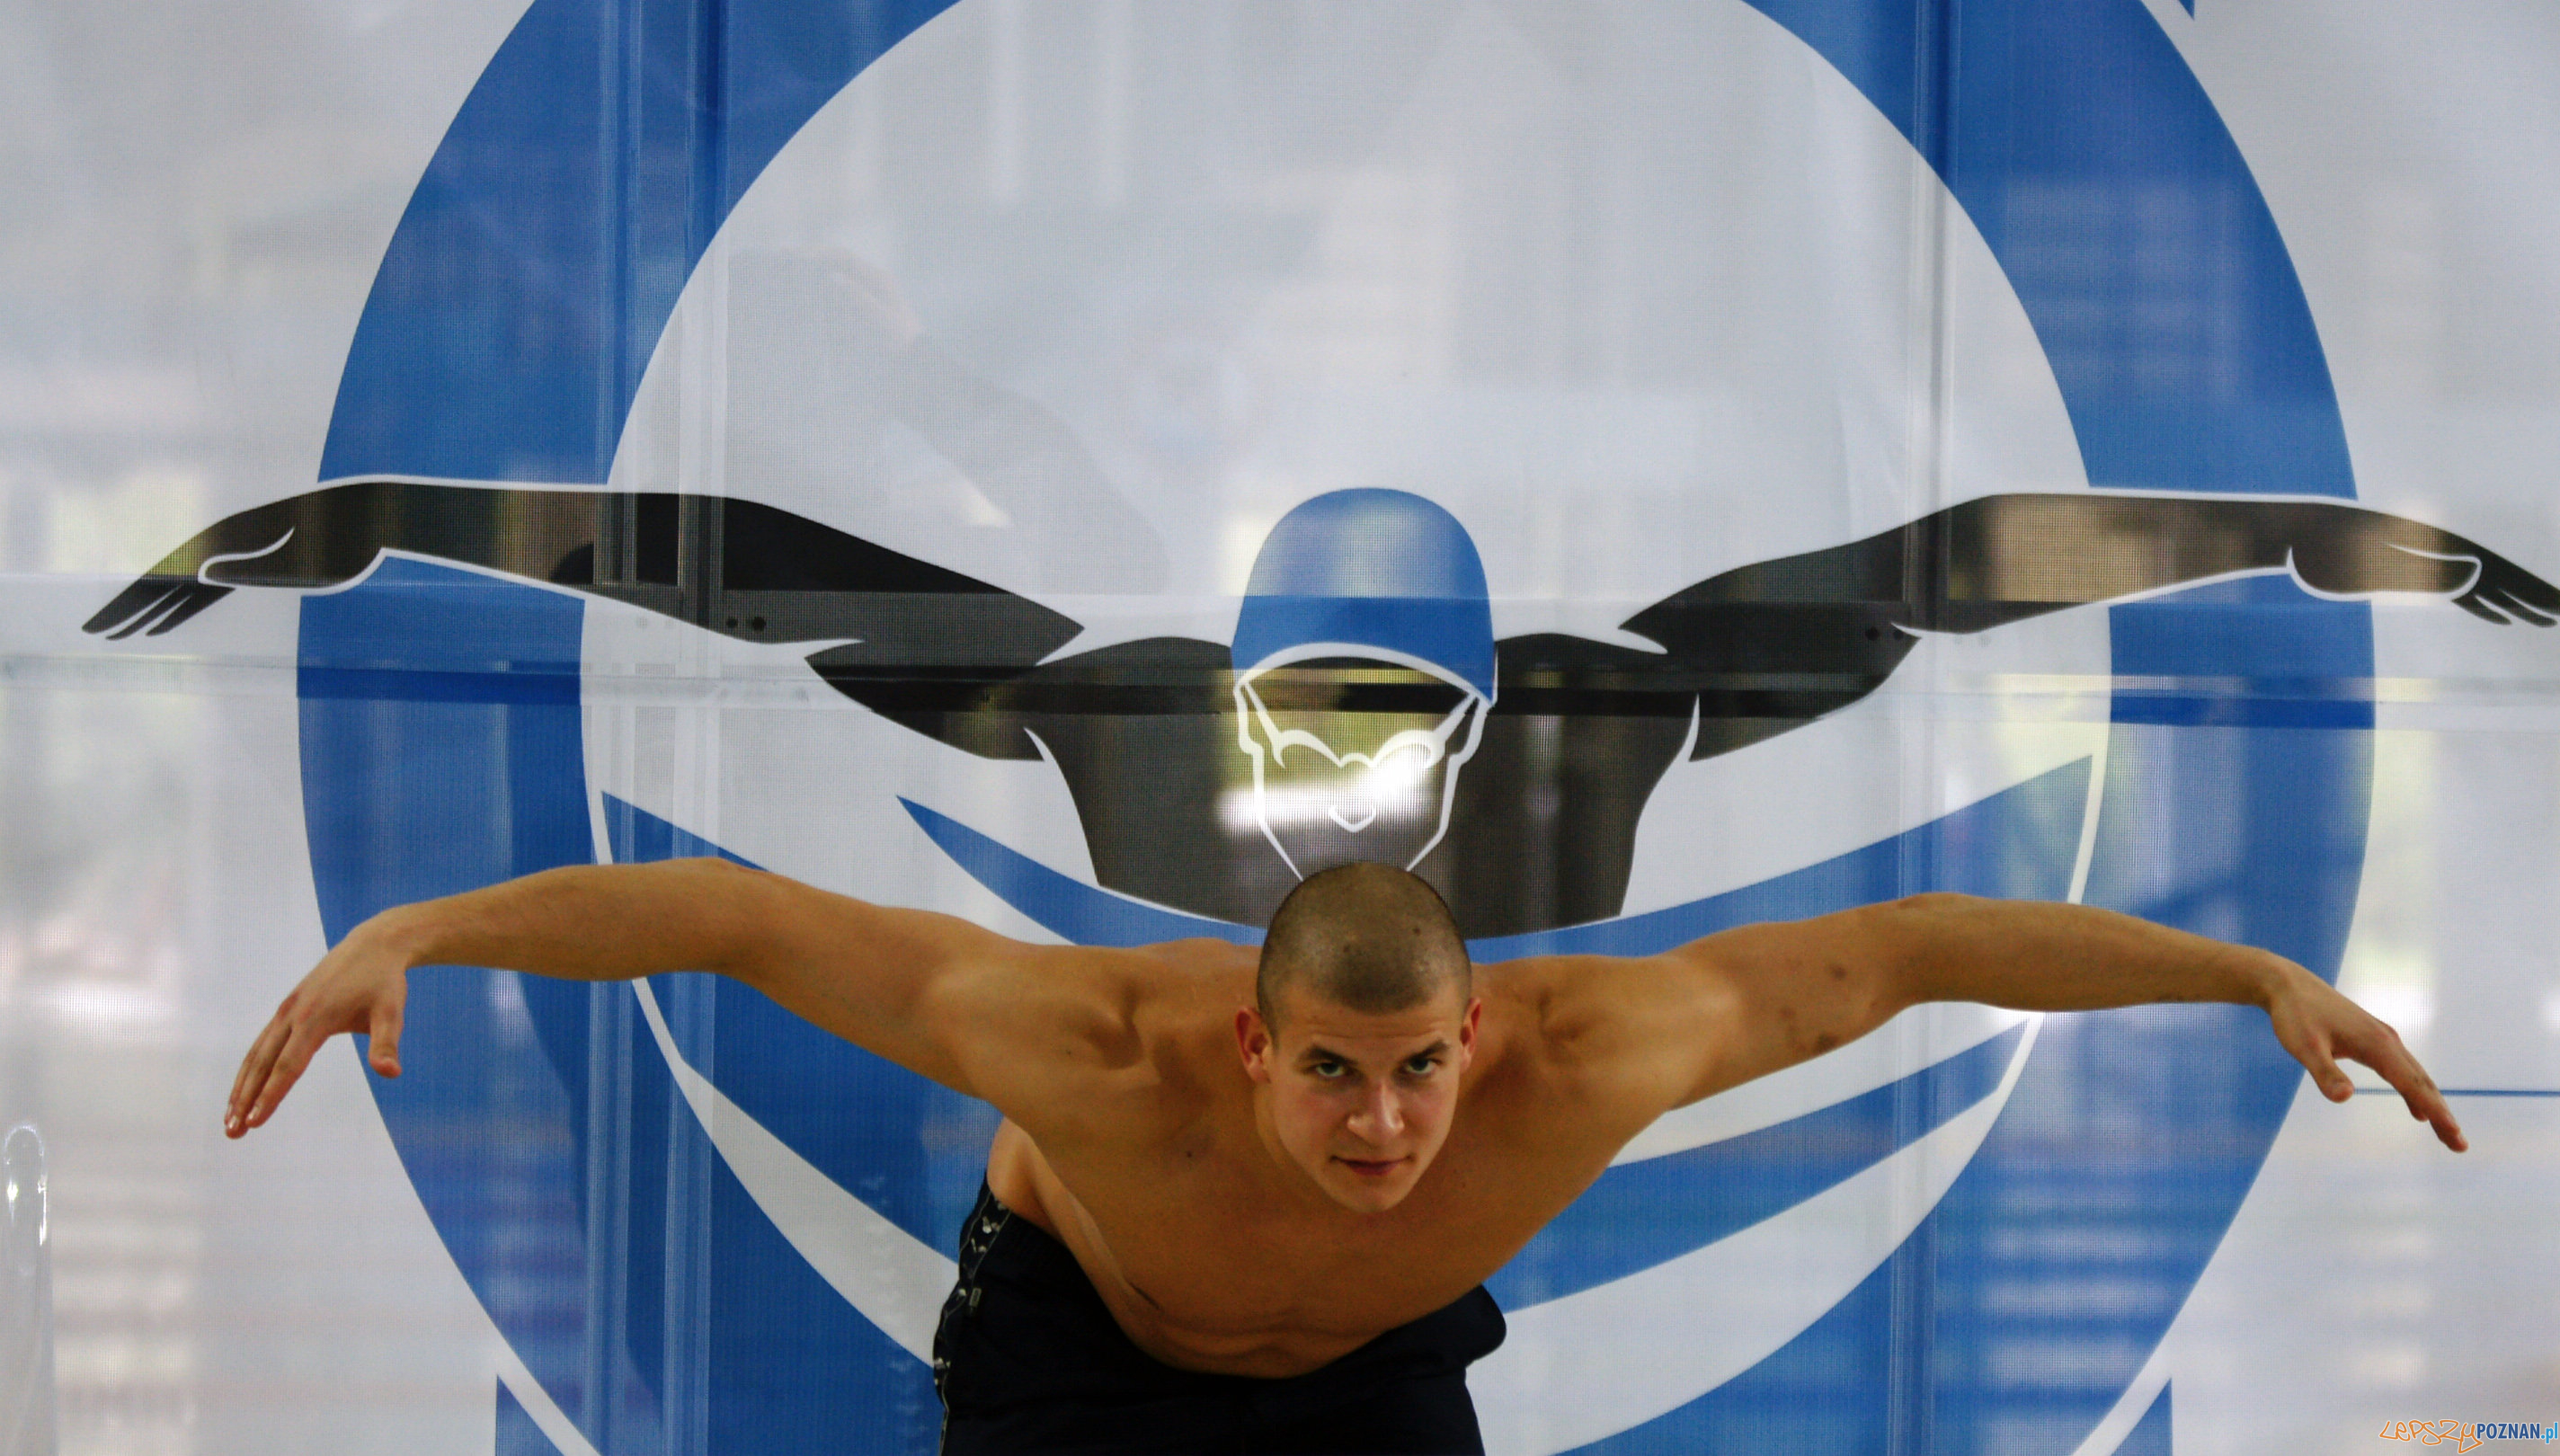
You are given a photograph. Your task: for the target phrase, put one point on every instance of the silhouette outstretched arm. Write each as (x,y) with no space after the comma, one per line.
(737,567)
(700,557)
(2003,559)
(1773,645)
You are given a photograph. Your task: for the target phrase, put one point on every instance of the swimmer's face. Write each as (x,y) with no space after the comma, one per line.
(1353,759)
(1360,1103)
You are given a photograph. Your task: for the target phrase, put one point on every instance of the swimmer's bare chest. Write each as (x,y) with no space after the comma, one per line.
(1210,1259)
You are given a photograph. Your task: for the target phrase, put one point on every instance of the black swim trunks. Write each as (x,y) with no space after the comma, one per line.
(1028,1358)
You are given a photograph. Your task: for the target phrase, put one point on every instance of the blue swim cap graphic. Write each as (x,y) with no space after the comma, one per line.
(1368,568)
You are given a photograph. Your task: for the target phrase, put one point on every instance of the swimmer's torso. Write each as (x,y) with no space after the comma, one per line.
(1214,1254)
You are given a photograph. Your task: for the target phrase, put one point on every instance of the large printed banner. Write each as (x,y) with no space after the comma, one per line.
(1648,466)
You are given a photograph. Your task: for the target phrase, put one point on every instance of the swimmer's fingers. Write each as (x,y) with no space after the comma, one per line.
(2304,1014)
(2426,1101)
(285,1069)
(273,1066)
(360,986)
(385,1027)
(252,1077)
(2318,1026)
(274,1063)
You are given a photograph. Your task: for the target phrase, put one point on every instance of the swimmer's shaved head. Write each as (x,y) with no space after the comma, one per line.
(1370,938)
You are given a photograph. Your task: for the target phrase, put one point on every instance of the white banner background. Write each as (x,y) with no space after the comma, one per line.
(197,201)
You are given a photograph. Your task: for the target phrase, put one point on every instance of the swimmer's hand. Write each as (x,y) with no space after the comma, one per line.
(360,986)
(2317,1025)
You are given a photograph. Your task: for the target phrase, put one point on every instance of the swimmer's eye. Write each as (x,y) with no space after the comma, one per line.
(1421,1066)
(1328,1071)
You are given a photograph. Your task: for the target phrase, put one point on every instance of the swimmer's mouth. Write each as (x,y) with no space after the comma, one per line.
(1367,1168)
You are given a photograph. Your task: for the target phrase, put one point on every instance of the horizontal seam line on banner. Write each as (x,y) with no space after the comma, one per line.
(2469,1091)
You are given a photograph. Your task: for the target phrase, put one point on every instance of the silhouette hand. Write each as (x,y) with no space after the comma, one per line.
(2378,553)
(309,541)
(2504,591)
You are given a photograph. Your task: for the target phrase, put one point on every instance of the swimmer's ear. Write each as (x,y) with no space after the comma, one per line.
(1253,1043)
(1467,1031)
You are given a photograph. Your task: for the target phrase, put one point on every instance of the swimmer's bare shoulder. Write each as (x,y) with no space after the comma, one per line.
(1094,1050)
(1078,1046)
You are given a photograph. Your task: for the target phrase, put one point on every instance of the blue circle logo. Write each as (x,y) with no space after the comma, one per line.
(701,1225)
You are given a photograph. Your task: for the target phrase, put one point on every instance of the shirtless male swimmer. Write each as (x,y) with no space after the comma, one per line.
(1251,1208)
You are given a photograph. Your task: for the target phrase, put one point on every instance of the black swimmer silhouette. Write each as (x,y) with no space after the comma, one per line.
(1363,676)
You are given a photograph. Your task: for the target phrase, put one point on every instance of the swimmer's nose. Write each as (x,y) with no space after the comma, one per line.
(1380,1119)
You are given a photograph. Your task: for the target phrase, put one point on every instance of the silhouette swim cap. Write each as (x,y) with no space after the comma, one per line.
(1377,568)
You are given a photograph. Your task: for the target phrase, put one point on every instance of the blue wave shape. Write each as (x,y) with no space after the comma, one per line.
(1640,1214)
(536,1119)
(1073,910)
(505,336)
(855,1117)
(2017,843)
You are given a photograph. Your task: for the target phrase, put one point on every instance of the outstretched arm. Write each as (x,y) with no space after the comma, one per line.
(970,1009)
(1721,1011)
